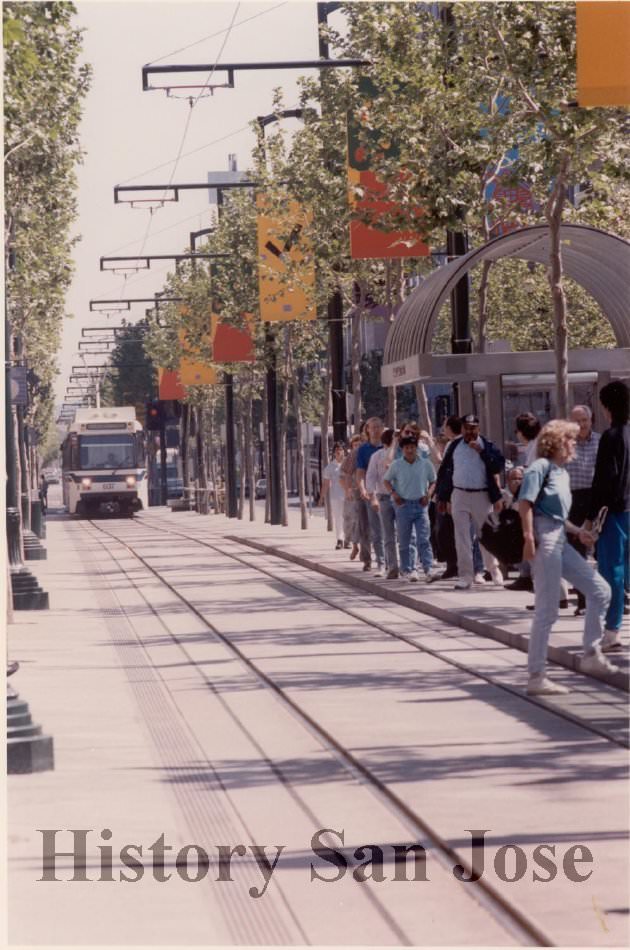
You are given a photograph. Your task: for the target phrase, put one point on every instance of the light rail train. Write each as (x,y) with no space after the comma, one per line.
(104,463)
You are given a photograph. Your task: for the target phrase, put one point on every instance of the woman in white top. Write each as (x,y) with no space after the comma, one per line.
(334,489)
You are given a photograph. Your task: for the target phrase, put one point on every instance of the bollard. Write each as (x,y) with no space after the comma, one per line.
(38,526)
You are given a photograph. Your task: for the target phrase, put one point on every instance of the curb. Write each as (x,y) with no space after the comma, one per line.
(517,641)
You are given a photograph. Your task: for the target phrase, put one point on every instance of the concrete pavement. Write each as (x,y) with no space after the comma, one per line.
(159,728)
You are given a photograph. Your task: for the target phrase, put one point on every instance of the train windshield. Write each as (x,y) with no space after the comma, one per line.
(107,451)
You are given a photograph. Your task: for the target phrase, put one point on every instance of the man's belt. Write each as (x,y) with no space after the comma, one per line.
(469,489)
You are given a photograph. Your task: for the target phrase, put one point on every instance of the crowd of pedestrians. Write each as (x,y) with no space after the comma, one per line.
(402,502)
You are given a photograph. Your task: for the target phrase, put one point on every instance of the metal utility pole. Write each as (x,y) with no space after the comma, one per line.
(231,505)
(335,304)
(456,241)
(271,378)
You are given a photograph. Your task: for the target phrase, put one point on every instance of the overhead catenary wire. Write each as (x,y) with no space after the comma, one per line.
(212,36)
(186,128)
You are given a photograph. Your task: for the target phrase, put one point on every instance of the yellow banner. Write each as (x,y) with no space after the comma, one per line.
(283,249)
(192,372)
(603,53)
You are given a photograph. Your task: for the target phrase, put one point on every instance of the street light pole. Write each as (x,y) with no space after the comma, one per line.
(271,378)
(335,303)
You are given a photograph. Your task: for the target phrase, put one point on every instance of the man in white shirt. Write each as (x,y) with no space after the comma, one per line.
(469,479)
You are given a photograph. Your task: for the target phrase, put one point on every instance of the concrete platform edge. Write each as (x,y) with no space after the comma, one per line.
(558,655)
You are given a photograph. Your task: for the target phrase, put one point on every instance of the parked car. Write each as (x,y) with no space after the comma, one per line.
(260,491)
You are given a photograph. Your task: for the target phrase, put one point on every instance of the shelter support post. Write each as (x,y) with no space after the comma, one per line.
(465,400)
(494,409)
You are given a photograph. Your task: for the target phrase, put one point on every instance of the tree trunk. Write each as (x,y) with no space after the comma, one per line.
(25,496)
(211,465)
(391,309)
(553,213)
(266,454)
(284,410)
(242,470)
(424,417)
(356,323)
(202,498)
(249,449)
(482,298)
(323,445)
(301,467)
(183,449)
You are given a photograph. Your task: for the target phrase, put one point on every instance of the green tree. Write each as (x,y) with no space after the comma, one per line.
(44,87)
(131,376)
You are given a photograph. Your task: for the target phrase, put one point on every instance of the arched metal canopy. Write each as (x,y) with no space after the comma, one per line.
(598,261)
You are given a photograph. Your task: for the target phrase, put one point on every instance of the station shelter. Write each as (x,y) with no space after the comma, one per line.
(497,386)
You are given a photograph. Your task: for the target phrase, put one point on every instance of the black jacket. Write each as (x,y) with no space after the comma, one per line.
(490,456)
(611,481)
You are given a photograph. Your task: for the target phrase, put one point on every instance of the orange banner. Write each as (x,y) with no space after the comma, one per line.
(169,384)
(603,53)
(368,240)
(231,344)
(281,244)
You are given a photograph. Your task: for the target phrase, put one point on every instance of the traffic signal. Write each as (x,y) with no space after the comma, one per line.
(154,414)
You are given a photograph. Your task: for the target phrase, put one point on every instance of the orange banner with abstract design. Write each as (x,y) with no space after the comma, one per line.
(282,247)
(367,240)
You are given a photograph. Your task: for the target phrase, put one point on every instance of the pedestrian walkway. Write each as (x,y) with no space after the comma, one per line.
(161,728)
(489,611)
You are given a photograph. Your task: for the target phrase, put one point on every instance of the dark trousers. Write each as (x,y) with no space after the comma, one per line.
(581,499)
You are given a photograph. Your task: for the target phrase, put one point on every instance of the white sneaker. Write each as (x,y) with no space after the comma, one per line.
(611,642)
(596,663)
(413,577)
(428,576)
(463,585)
(479,579)
(379,572)
(541,686)
(497,578)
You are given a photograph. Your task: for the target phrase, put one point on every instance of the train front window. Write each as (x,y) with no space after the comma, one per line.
(107,451)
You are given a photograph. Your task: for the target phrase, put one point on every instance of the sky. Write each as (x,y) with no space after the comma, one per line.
(125,132)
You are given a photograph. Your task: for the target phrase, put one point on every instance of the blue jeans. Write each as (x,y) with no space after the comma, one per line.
(412,518)
(376,534)
(387,515)
(555,559)
(613,562)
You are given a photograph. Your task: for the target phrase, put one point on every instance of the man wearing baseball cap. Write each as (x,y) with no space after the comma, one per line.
(469,480)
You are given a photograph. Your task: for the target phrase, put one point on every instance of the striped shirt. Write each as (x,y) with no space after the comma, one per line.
(377,467)
(582,468)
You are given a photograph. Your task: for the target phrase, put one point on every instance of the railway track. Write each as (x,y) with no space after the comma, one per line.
(131,536)
(340,602)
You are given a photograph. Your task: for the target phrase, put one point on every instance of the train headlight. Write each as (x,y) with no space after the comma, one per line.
(86,483)
(131,481)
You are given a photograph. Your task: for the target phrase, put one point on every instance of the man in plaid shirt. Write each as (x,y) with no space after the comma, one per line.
(581,470)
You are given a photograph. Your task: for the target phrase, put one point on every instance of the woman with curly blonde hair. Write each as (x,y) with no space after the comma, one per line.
(544,503)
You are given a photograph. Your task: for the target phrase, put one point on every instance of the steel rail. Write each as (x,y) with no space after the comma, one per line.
(516,921)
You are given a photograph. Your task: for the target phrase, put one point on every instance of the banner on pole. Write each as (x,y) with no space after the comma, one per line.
(192,371)
(169,384)
(368,240)
(603,53)
(233,344)
(283,251)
